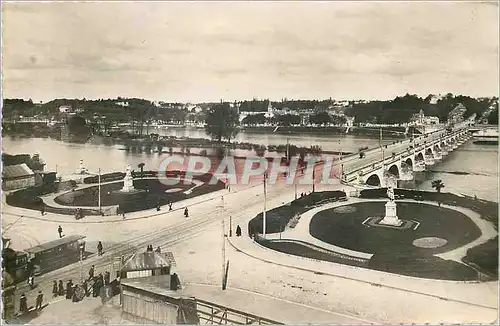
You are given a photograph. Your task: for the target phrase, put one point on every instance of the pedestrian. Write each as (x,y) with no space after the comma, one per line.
(94,288)
(186,212)
(39,300)
(85,287)
(23,304)
(107,278)
(60,231)
(42,210)
(158,250)
(99,249)
(91,272)
(74,297)
(54,289)
(31,281)
(158,208)
(170,206)
(238,231)
(61,288)
(123,215)
(69,289)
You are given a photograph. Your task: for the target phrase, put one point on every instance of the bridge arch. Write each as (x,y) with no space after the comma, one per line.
(428,151)
(409,162)
(436,148)
(373,180)
(419,157)
(394,170)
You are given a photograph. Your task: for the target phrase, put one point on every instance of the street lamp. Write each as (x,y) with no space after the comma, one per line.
(265,207)
(82,248)
(99,187)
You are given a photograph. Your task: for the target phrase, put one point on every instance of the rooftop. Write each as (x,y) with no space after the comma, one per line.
(16,171)
(55,243)
(148,260)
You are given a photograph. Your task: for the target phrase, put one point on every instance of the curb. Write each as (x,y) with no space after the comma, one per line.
(358,280)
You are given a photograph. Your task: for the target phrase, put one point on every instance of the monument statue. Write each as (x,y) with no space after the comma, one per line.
(390,193)
(128,181)
(391,217)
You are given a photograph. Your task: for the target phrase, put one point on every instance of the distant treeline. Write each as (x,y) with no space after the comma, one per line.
(398,110)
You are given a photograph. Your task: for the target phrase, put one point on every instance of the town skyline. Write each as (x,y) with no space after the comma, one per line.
(240,51)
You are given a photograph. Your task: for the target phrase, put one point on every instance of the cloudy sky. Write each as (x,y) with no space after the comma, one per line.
(208,51)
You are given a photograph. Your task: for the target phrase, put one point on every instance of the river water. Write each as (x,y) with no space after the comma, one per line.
(471,169)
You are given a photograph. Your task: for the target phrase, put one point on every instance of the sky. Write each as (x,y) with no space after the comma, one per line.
(207,51)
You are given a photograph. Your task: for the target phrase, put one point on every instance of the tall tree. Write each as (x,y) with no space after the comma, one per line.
(222,122)
(438,185)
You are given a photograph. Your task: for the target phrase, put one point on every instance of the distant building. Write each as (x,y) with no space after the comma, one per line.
(17,177)
(349,121)
(122,103)
(420,119)
(65,109)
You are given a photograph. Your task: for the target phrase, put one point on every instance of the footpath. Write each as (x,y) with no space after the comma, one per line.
(484,295)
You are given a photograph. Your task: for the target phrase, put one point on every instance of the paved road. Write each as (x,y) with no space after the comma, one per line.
(202,217)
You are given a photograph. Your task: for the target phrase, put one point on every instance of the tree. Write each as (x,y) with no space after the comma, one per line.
(438,185)
(321,118)
(493,117)
(141,166)
(222,122)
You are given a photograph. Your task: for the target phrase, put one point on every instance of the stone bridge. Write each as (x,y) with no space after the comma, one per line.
(384,166)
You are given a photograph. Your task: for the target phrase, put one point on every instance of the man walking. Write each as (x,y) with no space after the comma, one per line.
(23,304)
(99,249)
(91,273)
(60,231)
(39,300)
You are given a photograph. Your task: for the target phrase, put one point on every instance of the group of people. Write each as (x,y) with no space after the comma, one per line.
(149,248)
(77,292)
(23,302)
(79,214)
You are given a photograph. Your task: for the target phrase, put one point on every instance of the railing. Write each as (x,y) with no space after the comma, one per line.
(215,314)
(387,161)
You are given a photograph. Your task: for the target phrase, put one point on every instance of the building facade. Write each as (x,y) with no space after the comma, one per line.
(17,177)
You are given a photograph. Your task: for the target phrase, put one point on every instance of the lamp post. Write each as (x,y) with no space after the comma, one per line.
(99,188)
(82,246)
(223,244)
(265,207)
(99,181)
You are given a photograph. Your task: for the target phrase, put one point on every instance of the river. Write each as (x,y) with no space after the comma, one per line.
(471,169)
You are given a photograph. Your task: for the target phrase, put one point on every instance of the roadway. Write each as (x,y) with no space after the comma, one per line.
(375,155)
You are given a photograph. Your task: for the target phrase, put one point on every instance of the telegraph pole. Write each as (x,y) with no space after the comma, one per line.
(99,190)
(313,175)
(223,245)
(81,246)
(265,207)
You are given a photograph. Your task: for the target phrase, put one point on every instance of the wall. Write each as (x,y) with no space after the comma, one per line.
(18,183)
(144,309)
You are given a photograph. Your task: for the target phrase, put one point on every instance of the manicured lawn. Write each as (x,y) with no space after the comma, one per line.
(423,267)
(158,193)
(347,231)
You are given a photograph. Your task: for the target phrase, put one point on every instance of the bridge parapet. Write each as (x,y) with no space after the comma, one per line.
(397,158)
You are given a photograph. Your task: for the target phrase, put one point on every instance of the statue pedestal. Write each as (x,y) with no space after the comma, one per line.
(391,217)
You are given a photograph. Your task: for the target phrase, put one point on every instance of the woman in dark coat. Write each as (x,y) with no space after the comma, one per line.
(54,289)
(69,289)
(61,288)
